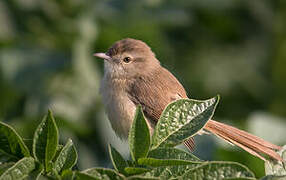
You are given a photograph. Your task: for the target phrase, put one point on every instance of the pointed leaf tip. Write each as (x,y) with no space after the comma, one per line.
(11,143)
(118,161)
(67,157)
(139,136)
(45,141)
(182,119)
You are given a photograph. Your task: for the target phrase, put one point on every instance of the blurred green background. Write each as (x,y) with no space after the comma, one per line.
(235,48)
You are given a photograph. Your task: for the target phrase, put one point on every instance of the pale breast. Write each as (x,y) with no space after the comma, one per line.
(119,108)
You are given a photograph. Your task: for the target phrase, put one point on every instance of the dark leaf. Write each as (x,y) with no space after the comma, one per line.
(139,136)
(11,144)
(117,160)
(67,157)
(45,141)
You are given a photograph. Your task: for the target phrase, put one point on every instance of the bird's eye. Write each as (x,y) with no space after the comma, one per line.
(127,59)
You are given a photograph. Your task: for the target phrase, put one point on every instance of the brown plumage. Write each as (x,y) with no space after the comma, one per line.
(133,76)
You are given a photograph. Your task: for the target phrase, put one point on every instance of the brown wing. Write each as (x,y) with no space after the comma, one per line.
(155,91)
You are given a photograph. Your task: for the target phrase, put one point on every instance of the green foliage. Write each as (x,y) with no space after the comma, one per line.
(183,118)
(139,136)
(19,170)
(5,166)
(164,162)
(159,161)
(218,170)
(11,144)
(118,161)
(274,169)
(135,170)
(45,141)
(236,48)
(172,153)
(67,157)
(102,173)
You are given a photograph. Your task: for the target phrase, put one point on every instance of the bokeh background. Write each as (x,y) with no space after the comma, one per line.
(235,48)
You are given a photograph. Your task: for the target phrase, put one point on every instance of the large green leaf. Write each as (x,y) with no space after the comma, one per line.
(164,162)
(67,157)
(170,157)
(206,170)
(11,144)
(169,172)
(182,119)
(139,136)
(171,153)
(45,141)
(117,160)
(5,166)
(19,170)
(36,173)
(103,173)
(276,168)
(218,170)
(272,177)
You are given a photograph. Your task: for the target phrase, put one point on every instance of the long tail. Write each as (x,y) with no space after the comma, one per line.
(250,143)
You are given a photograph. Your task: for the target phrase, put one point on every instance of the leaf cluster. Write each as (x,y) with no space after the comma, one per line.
(152,157)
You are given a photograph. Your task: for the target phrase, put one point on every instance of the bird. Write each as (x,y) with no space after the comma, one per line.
(133,76)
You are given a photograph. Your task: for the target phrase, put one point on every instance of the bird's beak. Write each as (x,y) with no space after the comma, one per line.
(102,56)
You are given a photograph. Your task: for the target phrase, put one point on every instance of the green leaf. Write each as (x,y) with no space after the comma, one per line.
(206,170)
(19,170)
(138,177)
(218,170)
(5,166)
(67,157)
(117,160)
(277,168)
(131,163)
(68,175)
(135,170)
(171,153)
(36,173)
(272,177)
(169,172)
(182,119)
(46,141)
(83,176)
(165,162)
(103,173)
(4,157)
(11,144)
(139,136)
(59,149)
(240,178)
(169,157)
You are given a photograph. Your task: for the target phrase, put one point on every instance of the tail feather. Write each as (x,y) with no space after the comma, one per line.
(190,144)
(221,135)
(249,136)
(250,143)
